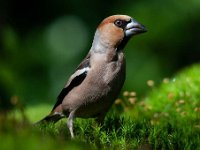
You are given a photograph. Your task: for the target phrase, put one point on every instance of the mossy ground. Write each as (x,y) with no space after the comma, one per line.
(168,117)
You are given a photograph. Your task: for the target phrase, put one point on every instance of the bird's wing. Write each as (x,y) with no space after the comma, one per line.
(75,80)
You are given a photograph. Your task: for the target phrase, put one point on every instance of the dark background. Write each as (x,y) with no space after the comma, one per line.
(42,42)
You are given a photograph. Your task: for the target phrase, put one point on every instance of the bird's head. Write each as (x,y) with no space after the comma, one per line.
(116,30)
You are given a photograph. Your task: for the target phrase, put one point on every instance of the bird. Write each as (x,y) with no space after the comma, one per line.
(98,79)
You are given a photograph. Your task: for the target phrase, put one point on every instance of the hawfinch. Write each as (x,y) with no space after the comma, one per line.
(97,81)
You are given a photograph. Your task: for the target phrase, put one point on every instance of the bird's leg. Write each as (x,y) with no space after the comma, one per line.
(70,123)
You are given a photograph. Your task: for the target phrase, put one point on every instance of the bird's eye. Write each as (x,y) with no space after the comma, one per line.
(120,23)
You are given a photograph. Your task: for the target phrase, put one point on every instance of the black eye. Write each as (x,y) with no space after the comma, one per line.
(120,23)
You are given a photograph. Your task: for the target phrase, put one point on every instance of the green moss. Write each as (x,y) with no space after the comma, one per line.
(168,118)
(179,98)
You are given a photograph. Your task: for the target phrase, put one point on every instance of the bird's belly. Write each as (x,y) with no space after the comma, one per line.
(97,102)
(90,102)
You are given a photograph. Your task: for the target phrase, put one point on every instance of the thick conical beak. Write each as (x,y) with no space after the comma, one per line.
(134,27)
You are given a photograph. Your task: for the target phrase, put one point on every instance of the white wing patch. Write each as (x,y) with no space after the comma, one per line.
(77,73)
(80,71)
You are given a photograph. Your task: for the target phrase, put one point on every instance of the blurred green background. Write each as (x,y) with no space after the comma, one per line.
(42,42)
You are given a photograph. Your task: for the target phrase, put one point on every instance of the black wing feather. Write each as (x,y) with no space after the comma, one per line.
(75,82)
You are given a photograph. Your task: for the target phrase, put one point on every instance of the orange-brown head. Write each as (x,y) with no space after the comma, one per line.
(116,30)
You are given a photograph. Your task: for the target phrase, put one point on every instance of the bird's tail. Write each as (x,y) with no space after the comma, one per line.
(52,117)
